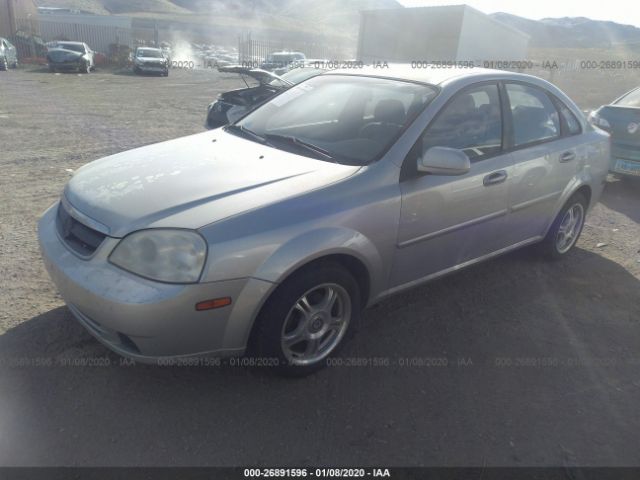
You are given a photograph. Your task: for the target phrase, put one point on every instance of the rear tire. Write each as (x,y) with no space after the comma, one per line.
(566,228)
(306,320)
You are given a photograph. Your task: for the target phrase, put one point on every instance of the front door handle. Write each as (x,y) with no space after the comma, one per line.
(495,178)
(567,157)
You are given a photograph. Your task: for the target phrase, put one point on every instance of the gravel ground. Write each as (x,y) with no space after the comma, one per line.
(537,363)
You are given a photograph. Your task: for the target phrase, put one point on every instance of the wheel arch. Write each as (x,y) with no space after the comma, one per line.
(580,184)
(346,247)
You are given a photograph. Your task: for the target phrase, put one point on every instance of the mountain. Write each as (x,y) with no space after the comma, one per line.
(318,15)
(572,32)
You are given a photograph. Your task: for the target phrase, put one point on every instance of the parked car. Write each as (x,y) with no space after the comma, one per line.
(622,120)
(280,62)
(150,60)
(234,104)
(8,55)
(70,56)
(270,236)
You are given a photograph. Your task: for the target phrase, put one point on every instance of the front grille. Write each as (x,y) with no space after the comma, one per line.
(78,237)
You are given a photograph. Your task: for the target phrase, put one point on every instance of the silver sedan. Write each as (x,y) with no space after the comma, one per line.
(270,236)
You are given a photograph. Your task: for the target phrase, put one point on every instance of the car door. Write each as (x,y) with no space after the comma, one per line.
(447,221)
(545,157)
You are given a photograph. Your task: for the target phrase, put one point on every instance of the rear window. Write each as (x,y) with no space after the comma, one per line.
(149,53)
(631,99)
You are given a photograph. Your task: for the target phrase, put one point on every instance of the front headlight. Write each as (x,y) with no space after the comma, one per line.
(167,255)
(595,119)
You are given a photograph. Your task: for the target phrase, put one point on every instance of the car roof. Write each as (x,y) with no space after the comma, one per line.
(430,75)
(148,48)
(68,42)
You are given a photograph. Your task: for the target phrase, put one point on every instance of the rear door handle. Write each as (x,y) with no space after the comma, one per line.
(567,157)
(495,178)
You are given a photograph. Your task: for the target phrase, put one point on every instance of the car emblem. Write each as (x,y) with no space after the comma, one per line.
(632,128)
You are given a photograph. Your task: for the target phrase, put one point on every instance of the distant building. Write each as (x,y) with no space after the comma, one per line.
(18,15)
(446,33)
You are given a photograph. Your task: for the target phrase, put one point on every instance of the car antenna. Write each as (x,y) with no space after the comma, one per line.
(244,80)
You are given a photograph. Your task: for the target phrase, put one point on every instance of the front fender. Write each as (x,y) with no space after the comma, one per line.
(290,256)
(315,244)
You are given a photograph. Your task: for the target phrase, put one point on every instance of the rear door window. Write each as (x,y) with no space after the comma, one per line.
(535,118)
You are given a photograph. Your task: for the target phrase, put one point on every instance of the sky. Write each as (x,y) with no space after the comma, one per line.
(620,11)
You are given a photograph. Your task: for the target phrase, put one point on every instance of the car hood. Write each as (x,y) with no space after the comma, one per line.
(193,181)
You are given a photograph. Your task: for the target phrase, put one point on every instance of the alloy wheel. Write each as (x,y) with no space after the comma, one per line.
(316,324)
(570,228)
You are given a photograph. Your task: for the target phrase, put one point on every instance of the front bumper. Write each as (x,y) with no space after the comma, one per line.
(151,68)
(143,319)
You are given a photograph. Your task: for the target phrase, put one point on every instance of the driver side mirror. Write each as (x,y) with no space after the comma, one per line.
(444,161)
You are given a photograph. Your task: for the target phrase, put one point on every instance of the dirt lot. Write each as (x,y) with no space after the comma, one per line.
(542,363)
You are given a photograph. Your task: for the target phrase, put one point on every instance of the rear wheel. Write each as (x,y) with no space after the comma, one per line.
(566,228)
(307,319)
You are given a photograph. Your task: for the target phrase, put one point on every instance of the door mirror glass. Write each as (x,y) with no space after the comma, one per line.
(444,161)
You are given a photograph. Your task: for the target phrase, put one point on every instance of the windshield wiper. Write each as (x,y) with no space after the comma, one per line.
(301,143)
(244,131)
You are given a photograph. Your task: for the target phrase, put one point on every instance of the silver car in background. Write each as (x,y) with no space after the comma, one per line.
(270,236)
(150,60)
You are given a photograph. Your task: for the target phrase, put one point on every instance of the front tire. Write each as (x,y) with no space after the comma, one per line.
(307,319)
(566,228)
(4,65)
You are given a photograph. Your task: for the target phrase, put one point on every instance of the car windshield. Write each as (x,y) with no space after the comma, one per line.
(348,119)
(72,46)
(149,53)
(284,57)
(631,99)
